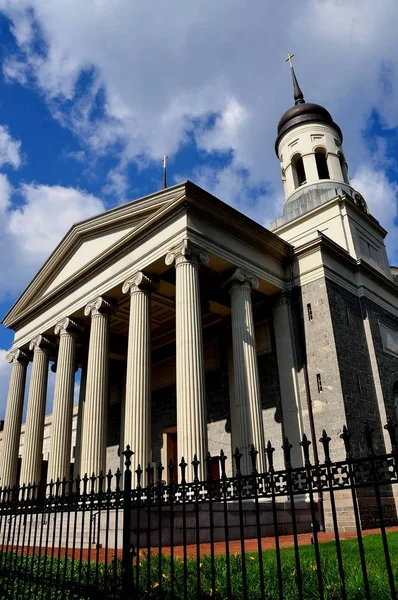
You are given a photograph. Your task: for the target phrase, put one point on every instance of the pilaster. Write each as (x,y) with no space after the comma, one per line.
(287,369)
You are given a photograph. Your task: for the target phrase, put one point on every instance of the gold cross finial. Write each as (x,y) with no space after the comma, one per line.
(289,59)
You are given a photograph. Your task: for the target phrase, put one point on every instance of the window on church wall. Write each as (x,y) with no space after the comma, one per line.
(344,168)
(298,171)
(309,312)
(321,163)
(395,395)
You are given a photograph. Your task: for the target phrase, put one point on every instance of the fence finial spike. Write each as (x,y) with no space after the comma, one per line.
(346,437)
(325,441)
(270,452)
(286,447)
(237,459)
(368,433)
(253,457)
(305,444)
(128,453)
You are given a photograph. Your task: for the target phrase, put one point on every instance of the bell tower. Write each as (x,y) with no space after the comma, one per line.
(309,147)
(319,198)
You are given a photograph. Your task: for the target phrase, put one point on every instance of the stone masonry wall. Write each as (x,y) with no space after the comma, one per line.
(387,363)
(321,355)
(354,364)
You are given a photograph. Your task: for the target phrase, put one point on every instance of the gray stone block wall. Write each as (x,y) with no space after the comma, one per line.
(319,350)
(387,363)
(354,364)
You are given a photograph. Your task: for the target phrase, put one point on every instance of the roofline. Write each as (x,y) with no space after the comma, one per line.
(191,194)
(89,220)
(323,241)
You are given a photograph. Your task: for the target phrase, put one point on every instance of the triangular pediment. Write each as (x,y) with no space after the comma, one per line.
(88,242)
(91,244)
(85,252)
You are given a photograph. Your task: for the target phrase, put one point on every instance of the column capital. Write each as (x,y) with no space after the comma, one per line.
(100,306)
(18,355)
(141,282)
(68,326)
(186,251)
(240,279)
(283,298)
(42,343)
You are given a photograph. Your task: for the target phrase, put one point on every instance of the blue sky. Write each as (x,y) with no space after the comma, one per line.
(93,93)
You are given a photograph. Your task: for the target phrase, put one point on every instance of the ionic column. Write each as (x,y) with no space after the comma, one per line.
(32,453)
(80,421)
(61,433)
(93,458)
(247,412)
(137,412)
(13,418)
(191,393)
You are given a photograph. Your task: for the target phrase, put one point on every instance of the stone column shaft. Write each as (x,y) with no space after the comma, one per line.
(191,393)
(93,458)
(61,434)
(32,453)
(137,410)
(247,412)
(80,421)
(13,418)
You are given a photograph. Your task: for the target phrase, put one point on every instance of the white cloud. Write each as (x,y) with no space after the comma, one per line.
(9,149)
(31,231)
(208,71)
(29,226)
(381,195)
(4,379)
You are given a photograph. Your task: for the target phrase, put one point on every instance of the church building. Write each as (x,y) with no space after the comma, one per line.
(195,328)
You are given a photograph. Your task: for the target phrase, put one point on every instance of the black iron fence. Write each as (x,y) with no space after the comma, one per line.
(247,536)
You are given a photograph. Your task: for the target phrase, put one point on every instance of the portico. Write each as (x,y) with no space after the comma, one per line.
(150,299)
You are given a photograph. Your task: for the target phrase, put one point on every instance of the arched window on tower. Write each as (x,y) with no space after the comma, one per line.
(344,168)
(298,171)
(321,163)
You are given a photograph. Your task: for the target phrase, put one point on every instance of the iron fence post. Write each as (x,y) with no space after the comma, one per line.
(127,565)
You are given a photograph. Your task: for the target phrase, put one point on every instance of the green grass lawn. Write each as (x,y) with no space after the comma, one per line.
(160,587)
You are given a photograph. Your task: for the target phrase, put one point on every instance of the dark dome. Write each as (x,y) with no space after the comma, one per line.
(304,113)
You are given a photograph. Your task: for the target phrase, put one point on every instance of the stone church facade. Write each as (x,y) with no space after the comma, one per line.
(196,329)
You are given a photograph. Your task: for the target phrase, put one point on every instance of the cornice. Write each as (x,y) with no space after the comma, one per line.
(338,199)
(237,224)
(184,197)
(88,269)
(360,270)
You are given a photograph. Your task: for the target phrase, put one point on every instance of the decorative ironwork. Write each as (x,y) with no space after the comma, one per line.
(108,529)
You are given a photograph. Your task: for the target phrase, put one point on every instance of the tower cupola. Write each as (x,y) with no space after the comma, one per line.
(309,148)
(320,200)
